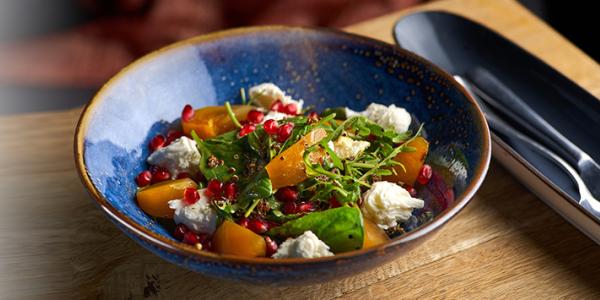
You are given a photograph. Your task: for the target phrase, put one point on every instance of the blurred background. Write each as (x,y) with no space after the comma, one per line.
(54,54)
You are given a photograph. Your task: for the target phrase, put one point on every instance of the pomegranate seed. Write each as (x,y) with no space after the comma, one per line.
(305,207)
(258,226)
(287,194)
(333,202)
(313,117)
(160,175)
(425,174)
(271,246)
(255,116)
(411,190)
(172,135)
(290,109)
(183,175)
(157,142)
(190,196)
(246,129)
(271,127)
(180,231)
(191,238)
(230,190)
(187,114)
(371,138)
(144,178)
(290,208)
(243,222)
(284,132)
(214,188)
(277,105)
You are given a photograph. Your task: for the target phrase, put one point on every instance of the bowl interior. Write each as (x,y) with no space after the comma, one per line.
(325,68)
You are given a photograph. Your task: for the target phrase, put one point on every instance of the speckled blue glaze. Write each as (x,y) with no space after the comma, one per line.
(326,69)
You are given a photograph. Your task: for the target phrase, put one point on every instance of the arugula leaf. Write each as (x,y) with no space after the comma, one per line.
(259,187)
(340,228)
(227,147)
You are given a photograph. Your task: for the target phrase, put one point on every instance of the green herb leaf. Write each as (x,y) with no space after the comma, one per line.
(259,188)
(340,228)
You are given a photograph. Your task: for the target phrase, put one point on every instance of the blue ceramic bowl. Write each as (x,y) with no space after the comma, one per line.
(326,68)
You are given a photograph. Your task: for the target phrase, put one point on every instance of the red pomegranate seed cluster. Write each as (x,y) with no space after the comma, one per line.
(144,178)
(187,114)
(424,174)
(255,116)
(247,129)
(258,225)
(172,135)
(290,108)
(157,142)
(184,234)
(271,246)
(190,196)
(289,195)
(271,127)
(217,189)
(284,132)
(160,175)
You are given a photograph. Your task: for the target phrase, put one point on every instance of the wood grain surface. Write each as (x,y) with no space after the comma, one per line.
(55,244)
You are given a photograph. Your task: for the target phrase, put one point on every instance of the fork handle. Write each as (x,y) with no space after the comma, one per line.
(499,96)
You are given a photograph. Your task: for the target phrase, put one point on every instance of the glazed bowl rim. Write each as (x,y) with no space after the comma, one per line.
(180,248)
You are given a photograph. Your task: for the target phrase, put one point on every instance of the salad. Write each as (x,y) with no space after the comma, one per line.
(268,178)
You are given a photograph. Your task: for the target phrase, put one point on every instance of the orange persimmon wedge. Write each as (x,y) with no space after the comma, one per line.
(154,200)
(412,161)
(287,168)
(374,236)
(211,121)
(231,238)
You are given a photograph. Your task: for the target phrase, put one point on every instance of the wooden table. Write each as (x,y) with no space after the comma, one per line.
(506,243)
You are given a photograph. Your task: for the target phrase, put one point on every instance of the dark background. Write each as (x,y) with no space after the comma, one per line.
(56,54)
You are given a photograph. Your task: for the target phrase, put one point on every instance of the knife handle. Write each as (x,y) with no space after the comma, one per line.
(499,96)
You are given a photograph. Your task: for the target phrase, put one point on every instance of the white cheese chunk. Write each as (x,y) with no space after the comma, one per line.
(389,117)
(347,148)
(199,217)
(275,115)
(180,156)
(307,245)
(267,93)
(387,203)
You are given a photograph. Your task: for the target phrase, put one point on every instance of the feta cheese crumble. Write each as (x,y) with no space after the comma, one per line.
(180,156)
(199,217)
(267,93)
(275,115)
(387,203)
(307,245)
(389,117)
(347,148)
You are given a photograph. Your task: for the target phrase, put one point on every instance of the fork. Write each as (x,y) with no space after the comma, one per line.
(517,110)
(586,199)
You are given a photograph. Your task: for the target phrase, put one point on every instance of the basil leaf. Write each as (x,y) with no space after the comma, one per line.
(340,228)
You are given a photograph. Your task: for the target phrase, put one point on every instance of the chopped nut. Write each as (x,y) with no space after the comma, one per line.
(212,161)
